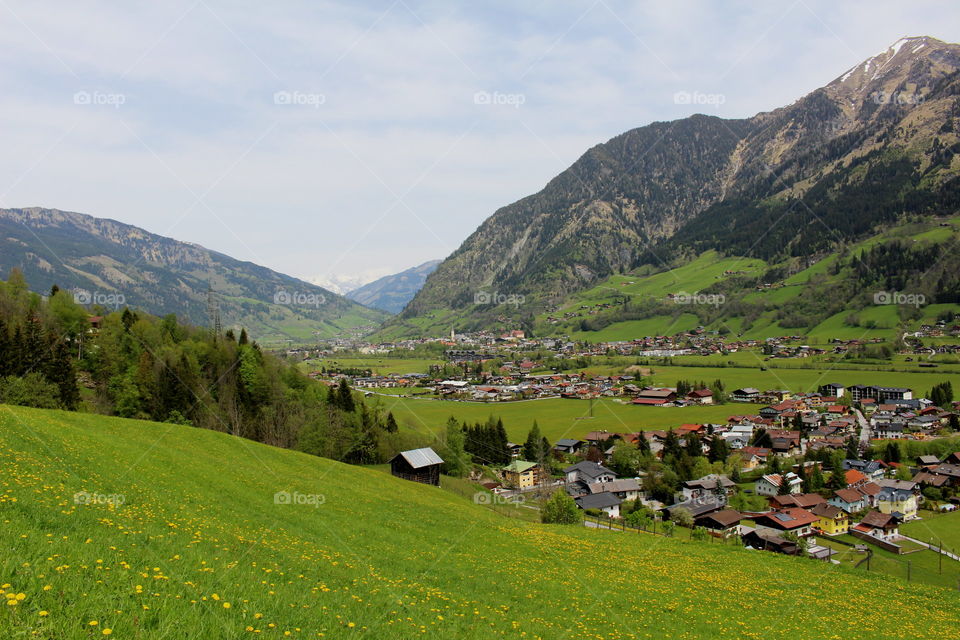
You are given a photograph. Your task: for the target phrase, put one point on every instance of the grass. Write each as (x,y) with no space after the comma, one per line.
(557,418)
(377,365)
(937,528)
(199,548)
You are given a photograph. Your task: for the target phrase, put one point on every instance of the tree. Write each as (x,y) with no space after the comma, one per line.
(344,396)
(455,462)
(532,448)
(560,509)
(719,449)
(31,390)
(816,481)
(784,489)
(853,448)
(682,517)
(391,424)
(762,439)
(668,528)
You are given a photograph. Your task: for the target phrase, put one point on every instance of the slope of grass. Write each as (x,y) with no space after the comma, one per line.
(180,536)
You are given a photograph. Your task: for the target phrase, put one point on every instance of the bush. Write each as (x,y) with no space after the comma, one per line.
(32,390)
(682,517)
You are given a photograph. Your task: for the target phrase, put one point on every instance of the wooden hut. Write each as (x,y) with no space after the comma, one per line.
(419,465)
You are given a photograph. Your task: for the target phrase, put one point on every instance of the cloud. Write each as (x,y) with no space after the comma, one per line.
(389,159)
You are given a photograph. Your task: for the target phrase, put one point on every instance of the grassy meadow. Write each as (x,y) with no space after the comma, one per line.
(141,530)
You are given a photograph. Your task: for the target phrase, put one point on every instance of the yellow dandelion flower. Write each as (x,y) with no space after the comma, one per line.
(226,605)
(93,623)
(44,614)
(107,631)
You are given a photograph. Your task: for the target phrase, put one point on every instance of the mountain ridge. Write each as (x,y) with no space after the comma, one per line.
(391,293)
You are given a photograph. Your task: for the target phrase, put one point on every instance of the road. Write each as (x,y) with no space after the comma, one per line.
(864,429)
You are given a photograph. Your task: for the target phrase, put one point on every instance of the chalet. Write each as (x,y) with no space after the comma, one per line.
(953,458)
(588,473)
(769,485)
(724,522)
(854,478)
(884,526)
(419,465)
(568,446)
(793,520)
(514,449)
(832,520)
(869,491)
(624,488)
(754,457)
(927,461)
(700,396)
(521,474)
(713,484)
(747,394)
(698,507)
(873,469)
(850,500)
(655,397)
(606,502)
(767,540)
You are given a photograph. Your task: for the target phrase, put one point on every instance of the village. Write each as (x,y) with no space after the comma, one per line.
(799,478)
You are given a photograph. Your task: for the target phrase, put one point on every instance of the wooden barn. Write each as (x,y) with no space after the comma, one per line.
(419,465)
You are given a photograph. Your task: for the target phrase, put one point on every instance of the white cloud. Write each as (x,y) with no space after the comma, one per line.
(314,190)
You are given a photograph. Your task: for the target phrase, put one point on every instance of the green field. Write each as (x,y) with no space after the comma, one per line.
(557,417)
(166,531)
(937,529)
(377,365)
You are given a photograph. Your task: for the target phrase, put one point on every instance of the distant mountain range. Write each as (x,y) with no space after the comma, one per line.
(392,293)
(872,148)
(110,263)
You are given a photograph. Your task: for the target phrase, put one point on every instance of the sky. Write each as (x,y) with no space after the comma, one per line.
(349,140)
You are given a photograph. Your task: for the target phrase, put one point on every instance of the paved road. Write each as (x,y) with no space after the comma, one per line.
(864,429)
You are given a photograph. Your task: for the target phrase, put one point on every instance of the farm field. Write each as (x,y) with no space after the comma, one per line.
(941,528)
(557,417)
(141,529)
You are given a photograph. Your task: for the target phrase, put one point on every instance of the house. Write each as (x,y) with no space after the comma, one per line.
(588,473)
(785,442)
(606,502)
(942,475)
(792,520)
(709,485)
(521,474)
(419,465)
(624,488)
(754,457)
(655,397)
(769,485)
(873,469)
(700,396)
(767,540)
(869,491)
(884,526)
(696,508)
(747,394)
(927,461)
(568,446)
(514,449)
(899,498)
(724,522)
(854,478)
(850,500)
(832,521)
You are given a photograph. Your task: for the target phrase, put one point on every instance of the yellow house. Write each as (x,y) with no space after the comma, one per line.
(832,520)
(893,499)
(521,474)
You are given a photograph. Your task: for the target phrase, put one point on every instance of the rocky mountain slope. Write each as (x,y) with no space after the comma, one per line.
(874,146)
(109,263)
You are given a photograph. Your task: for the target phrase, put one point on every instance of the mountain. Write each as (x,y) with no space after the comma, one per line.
(113,264)
(874,147)
(392,293)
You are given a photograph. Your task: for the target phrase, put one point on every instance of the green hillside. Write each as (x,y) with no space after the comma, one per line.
(164,531)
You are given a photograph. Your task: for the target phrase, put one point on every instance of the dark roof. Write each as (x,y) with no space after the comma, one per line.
(724,517)
(570,442)
(598,500)
(418,458)
(590,469)
(878,520)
